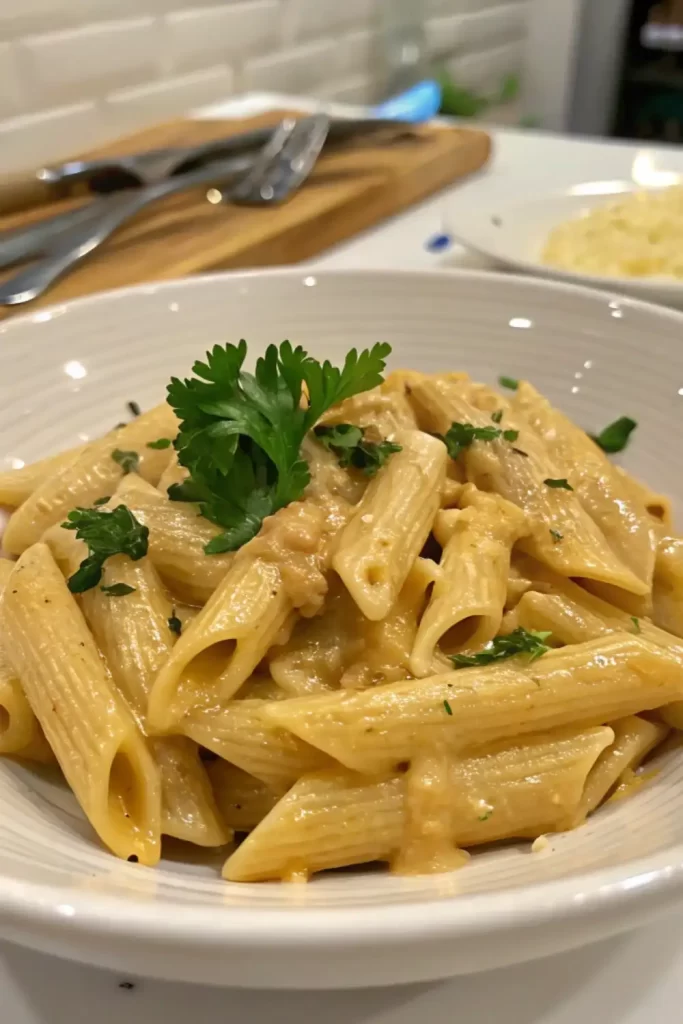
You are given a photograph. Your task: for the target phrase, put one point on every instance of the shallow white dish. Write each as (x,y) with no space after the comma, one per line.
(513,235)
(67,373)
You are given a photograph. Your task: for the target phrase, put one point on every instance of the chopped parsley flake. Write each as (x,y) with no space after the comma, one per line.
(160,444)
(117,590)
(636,624)
(448,708)
(128,461)
(174,624)
(511,383)
(520,641)
(348,443)
(615,437)
(562,483)
(106,533)
(557,536)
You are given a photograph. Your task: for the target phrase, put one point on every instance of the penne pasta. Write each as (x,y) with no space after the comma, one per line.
(134,634)
(465,609)
(667,589)
(243,800)
(336,818)
(92,475)
(446,618)
(585,684)
(20,732)
(17,485)
(252,611)
(177,538)
(94,736)
(634,739)
(521,479)
(391,524)
(238,733)
(602,491)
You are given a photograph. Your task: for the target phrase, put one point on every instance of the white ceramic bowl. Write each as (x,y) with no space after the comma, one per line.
(513,235)
(66,374)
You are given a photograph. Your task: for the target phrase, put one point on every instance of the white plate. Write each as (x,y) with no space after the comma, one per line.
(514,234)
(66,374)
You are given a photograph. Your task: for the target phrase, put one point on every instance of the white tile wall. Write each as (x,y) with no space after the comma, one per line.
(75,72)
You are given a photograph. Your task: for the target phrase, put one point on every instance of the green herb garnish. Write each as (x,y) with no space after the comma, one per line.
(448,708)
(557,536)
(348,444)
(106,534)
(562,483)
(174,624)
(241,433)
(509,382)
(497,415)
(615,437)
(160,444)
(460,436)
(102,501)
(128,461)
(520,641)
(520,452)
(117,590)
(485,816)
(636,624)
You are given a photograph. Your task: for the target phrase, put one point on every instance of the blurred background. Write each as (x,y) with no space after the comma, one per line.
(76,73)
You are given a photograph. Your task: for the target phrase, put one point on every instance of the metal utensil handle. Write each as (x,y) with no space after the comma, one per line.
(19,244)
(79,243)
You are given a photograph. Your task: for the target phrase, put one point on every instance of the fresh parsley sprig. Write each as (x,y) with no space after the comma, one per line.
(106,533)
(460,436)
(520,641)
(348,443)
(616,436)
(241,433)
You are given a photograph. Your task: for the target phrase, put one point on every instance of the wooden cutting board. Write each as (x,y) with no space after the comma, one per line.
(350,190)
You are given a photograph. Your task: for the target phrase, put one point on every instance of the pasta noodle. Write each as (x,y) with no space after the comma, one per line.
(93,474)
(349,819)
(388,620)
(94,736)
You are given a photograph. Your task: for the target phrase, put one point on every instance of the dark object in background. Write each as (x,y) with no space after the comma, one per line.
(650,94)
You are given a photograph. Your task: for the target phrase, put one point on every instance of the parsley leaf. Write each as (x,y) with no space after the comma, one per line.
(562,483)
(497,415)
(557,536)
(636,624)
(117,590)
(106,534)
(461,435)
(128,461)
(615,437)
(102,501)
(509,382)
(163,442)
(520,641)
(241,433)
(133,408)
(448,709)
(174,624)
(347,442)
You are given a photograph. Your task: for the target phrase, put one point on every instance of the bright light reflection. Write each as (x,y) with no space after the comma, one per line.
(588,364)
(310,282)
(600,188)
(16,463)
(75,370)
(521,322)
(41,318)
(644,172)
(173,307)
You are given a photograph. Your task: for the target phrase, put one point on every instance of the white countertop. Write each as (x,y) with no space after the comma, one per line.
(635,979)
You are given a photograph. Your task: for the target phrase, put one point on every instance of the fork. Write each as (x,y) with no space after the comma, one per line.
(278,170)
